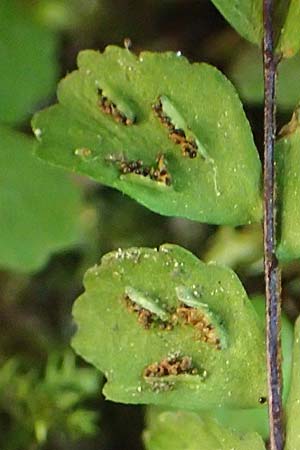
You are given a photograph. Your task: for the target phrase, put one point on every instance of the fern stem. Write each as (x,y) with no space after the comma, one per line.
(272,271)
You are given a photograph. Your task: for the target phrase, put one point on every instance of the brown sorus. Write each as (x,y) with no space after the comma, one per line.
(177,135)
(161,174)
(145,317)
(110,108)
(188,150)
(157,173)
(174,365)
(205,331)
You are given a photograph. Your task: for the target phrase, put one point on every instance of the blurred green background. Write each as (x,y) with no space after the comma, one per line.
(53,226)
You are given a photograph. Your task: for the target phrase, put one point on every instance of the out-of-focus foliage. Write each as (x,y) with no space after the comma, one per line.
(246,72)
(289,37)
(245,16)
(29,66)
(76,20)
(36,405)
(293,406)
(39,206)
(288,170)
(180,430)
(123,223)
(236,248)
(65,14)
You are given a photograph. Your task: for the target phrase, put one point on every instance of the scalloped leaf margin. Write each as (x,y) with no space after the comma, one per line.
(170,134)
(167,329)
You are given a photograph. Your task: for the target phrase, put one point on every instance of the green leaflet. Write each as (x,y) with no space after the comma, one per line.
(245,16)
(39,206)
(180,360)
(180,430)
(28,65)
(117,121)
(246,72)
(288,170)
(289,39)
(293,405)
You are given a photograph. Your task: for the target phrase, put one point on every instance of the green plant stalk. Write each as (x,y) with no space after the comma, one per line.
(272,271)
